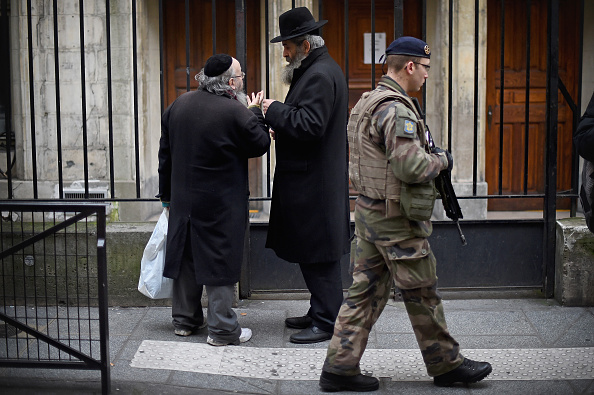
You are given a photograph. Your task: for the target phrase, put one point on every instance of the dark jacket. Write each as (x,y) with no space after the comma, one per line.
(206,141)
(309,214)
(584,136)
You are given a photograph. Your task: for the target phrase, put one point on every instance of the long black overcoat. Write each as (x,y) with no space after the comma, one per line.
(309,214)
(205,144)
(584,136)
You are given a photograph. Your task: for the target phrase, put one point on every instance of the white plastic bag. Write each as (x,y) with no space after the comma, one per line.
(151,282)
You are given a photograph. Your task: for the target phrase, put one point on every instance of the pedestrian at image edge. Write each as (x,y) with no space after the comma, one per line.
(584,135)
(584,142)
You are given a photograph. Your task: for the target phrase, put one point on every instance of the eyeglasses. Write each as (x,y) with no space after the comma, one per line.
(426,66)
(242,76)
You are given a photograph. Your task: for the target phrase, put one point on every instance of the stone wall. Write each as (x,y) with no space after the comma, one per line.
(45,107)
(462,96)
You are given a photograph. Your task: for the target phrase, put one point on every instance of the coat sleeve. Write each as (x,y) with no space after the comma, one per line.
(584,137)
(164,160)
(308,119)
(255,137)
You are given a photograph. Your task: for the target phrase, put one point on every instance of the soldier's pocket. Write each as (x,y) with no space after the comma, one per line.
(417,200)
(353,255)
(413,263)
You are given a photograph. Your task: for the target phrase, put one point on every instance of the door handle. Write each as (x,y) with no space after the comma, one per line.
(489,117)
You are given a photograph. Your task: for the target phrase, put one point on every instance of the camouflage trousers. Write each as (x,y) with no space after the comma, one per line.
(373,268)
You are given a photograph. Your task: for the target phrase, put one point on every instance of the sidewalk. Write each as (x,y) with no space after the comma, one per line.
(534,345)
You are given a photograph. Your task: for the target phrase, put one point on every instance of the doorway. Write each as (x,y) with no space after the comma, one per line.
(519,170)
(203,43)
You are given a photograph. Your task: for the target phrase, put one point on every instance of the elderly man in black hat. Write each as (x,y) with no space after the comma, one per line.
(309,215)
(392,167)
(207,137)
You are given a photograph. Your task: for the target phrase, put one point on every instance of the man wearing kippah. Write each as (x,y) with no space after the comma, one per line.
(393,168)
(207,137)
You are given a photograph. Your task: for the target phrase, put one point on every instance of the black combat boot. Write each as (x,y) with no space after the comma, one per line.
(330,382)
(469,372)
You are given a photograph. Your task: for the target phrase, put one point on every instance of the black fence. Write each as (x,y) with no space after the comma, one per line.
(547,196)
(53,277)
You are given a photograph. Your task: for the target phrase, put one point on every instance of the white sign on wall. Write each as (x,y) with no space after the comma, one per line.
(380,47)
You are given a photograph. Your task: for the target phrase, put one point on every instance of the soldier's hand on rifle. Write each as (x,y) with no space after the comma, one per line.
(437,150)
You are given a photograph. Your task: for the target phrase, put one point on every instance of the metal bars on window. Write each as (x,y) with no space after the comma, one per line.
(53,276)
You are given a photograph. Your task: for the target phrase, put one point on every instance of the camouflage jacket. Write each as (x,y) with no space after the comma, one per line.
(380,221)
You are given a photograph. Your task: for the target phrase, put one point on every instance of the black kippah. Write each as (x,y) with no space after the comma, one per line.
(217,64)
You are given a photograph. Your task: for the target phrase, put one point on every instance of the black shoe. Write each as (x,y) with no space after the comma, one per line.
(330,382)
(298,322)
(312,334)
(469,372)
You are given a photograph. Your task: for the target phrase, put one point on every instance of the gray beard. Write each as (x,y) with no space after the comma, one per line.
(242,97)
(287,73)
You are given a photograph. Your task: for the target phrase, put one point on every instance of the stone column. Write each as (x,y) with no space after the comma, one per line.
(463,77)
(149,117)
(70,101)
(277,89)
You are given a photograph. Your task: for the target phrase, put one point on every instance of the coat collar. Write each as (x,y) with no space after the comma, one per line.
(307,62)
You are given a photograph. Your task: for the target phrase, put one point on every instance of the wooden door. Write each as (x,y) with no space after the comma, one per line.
(513,163)
(360,23)
(201,41)
(201,48)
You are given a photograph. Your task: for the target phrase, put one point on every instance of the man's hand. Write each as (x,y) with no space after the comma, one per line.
(265,104)
(256,99)
(437,150)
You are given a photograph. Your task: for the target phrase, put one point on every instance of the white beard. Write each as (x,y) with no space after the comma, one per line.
(242,97)
(287,73)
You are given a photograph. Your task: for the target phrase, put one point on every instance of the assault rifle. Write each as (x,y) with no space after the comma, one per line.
(443,184)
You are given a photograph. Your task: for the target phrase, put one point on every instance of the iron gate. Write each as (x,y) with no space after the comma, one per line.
(53,278)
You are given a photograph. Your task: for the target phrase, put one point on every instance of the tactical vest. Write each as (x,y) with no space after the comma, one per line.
(369,169)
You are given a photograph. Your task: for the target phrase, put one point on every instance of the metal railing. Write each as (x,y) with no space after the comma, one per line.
(53,287)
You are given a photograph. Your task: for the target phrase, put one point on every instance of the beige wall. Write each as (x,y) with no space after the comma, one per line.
(70,102)
(278,90)
(462,89)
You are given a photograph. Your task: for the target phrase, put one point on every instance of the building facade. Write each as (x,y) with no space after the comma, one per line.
(84,84)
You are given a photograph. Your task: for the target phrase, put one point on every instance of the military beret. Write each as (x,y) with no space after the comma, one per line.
(409,46)
(217,64)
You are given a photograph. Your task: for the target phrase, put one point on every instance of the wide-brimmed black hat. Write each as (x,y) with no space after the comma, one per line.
(296,22)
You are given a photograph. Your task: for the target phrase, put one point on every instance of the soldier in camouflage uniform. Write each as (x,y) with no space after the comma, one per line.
(393,170)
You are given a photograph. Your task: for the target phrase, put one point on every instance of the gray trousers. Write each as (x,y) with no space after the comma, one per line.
(187,307)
